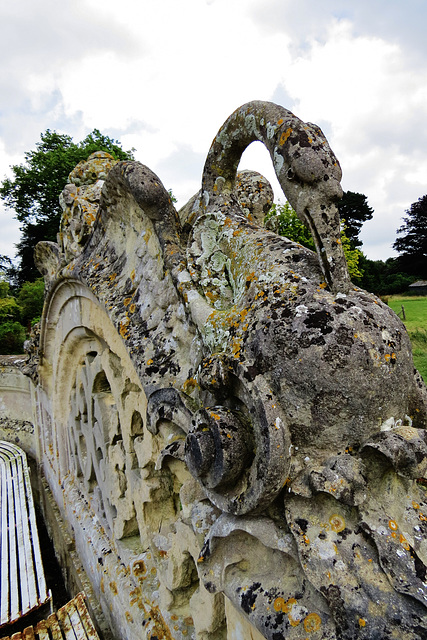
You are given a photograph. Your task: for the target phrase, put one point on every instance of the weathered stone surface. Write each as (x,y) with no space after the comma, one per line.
(16,400)
(80,200)
(231,415)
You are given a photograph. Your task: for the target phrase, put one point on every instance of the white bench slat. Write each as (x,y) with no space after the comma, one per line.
(13,564)
(84,615)
(42,630)
(26,568)
(66,624)
(55,629)
(35,543)
(71,622)
(4,588)
(23,585)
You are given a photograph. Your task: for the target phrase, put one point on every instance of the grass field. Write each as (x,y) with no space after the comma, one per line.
(416,324)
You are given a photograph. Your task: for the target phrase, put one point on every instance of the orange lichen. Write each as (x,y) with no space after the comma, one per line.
(123,328)
(312,622)
(285,135)
(337,523)
(403,541)
(278,604)
(189,385)
(392,525)
(362,622)
(139,568)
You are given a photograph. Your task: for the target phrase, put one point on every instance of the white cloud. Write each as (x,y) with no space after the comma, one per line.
(162,76)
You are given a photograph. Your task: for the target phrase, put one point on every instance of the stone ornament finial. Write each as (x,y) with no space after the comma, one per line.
(80,201)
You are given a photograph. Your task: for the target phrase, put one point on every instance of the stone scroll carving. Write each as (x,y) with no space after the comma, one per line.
(283,399)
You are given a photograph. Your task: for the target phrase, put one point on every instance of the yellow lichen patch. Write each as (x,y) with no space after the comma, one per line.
(362,622)
(280,121)
(215,416)
(189,385)
(285,135)
(123,328)
(415,505)
(403,541)
(392,525)
(337,523)
(128,616)
(278,604)
(236,349)
(132,275)
(126,301)
(149,362)
(139,568)
(113,588)
(312,622)
(212,295)
(132,308)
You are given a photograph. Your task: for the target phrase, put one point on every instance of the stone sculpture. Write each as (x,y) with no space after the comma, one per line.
(269,443)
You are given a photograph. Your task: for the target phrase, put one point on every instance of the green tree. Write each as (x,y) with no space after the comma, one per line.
(12,337)
(34,189)
(383,278)
(12,333)
(354,210)
(412,246)
(283,220)
(30,299)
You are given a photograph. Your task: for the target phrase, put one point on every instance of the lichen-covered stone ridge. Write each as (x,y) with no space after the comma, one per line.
(296,443)
(80,201)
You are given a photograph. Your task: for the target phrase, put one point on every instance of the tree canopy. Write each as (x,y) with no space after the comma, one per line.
(283,220)
(33,191)
(412,245)
(354,210)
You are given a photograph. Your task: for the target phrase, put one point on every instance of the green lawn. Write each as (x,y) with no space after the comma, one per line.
(416,324)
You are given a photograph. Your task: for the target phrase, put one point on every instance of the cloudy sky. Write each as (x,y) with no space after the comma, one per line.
(162,75)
